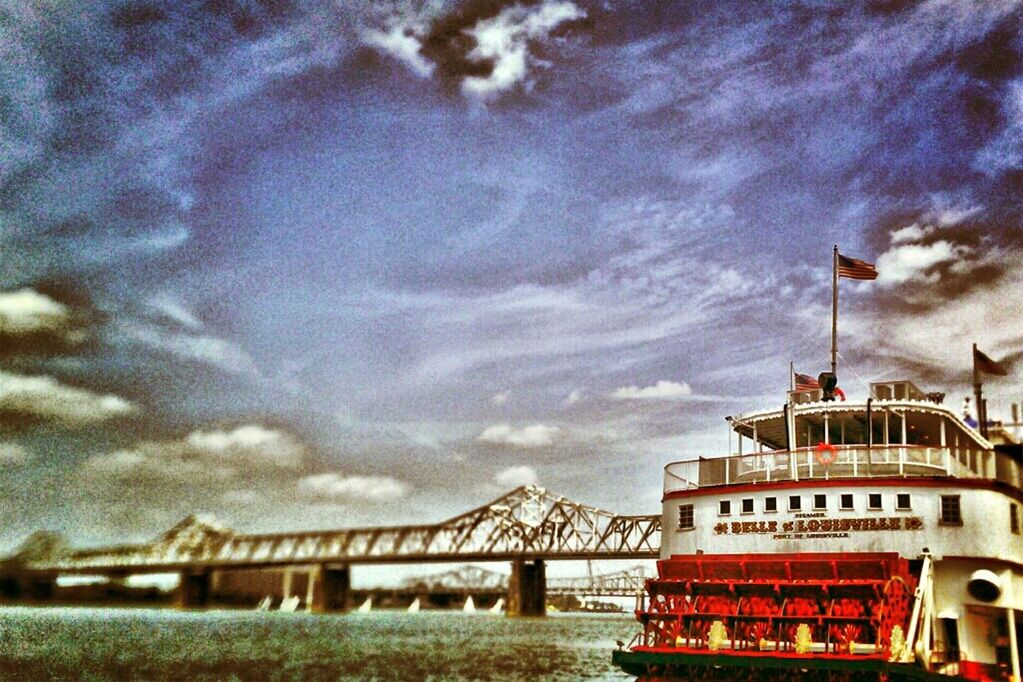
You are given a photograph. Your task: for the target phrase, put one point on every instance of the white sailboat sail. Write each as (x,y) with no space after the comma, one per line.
(264,604)
(469,606)
(290,604)
(367,605)
(498,606)
(414,606)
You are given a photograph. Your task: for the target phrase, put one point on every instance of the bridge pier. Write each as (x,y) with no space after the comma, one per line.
(527,588)
(35,586)
(330,587)
(193,589)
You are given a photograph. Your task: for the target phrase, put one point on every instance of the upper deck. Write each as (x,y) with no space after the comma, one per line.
(899,433)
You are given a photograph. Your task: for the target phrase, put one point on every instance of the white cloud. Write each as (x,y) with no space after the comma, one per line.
(26,311)
(950,216)
(402,42)
(910,262)
(534,436)
(196,347)
(516,476)
(575,396)
(911,233)
(662,390)
(941,335)
(45,398)
(501,398)
(333,486)
(204,456)
(504,40)
(13,454)
(173,309)
(249,443)
(161,462)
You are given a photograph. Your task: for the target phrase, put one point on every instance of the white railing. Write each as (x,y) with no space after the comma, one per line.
(848,461)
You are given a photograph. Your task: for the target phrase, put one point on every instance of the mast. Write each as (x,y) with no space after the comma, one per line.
(981,417)
(834,310)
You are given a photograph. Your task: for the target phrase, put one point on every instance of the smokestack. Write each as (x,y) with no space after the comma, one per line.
(1015,413)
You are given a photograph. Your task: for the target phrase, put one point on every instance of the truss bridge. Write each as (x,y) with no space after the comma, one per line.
(477,580)
(526,526)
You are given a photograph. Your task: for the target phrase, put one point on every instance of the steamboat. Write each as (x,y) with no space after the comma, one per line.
(854,539)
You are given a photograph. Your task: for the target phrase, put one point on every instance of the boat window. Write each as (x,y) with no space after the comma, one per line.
(747,505)
(902,502)
(685,517)
(951,514)
(770,504)
(846,501)
(1014,518)
(724,507)
(795,503)
(874,501)
(820,501)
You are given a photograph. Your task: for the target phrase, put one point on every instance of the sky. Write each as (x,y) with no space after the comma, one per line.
(313,265)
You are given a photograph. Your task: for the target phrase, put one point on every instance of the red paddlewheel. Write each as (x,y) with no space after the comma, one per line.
(842,598)
(844,635)
(750,633)
(895,606)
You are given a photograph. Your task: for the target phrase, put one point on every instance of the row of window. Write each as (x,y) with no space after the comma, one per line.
(950,509)
(820,503)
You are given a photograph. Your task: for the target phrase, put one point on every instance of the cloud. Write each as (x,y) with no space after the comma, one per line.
(938,337)
(534,436)
(401,41)
(503,41)
(188,342)
(575,396)
(501,398)
(13,454)
(35,323)
(911,233)
(334,486)
(916,262)
(26,311)
(516,476)
(250,443)
(203,456)
(662,390)
(43,398)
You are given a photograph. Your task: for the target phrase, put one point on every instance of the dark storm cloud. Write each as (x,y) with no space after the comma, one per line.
(447,42)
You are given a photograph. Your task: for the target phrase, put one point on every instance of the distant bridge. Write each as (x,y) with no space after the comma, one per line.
(525,526)
(474,579)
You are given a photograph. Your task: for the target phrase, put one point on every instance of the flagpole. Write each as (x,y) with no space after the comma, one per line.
(977,395)
(834,310)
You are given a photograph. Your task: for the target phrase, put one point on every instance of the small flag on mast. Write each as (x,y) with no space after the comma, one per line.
(985,364)
(805,382)
(854,268)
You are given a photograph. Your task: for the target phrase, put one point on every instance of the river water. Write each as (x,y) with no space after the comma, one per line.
(161,644)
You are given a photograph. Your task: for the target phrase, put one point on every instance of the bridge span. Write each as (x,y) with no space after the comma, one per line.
(526,526)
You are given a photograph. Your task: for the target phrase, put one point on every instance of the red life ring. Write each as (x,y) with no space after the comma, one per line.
(840,393)
(826,453)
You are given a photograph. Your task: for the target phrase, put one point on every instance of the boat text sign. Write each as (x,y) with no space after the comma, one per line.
(819,526)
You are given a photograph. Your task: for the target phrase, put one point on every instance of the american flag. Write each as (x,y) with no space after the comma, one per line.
(854,268)
(804,382)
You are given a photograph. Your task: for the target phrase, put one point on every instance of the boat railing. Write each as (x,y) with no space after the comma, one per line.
(842,462)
